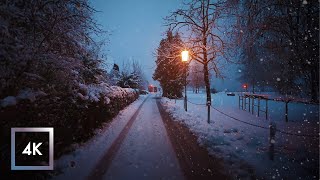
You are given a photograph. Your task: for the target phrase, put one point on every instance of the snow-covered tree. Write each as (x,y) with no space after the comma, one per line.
(131,80)
(206,23)
(137,70)
(131,75)
(114,75)
(196,76)
(46,44)
(169,70)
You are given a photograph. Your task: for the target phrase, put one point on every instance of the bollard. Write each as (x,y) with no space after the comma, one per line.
(209,104)
(272,140)
(266,109)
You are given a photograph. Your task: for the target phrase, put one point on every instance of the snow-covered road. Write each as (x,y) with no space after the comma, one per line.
(140,150)
(146,153)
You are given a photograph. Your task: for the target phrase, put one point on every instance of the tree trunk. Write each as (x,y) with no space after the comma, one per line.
(207,83)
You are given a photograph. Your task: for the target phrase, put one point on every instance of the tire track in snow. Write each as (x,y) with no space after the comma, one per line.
(104,163)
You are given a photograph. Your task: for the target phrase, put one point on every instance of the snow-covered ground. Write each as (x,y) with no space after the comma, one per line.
(238,143)
(296,111)
(145,153)
(80,163)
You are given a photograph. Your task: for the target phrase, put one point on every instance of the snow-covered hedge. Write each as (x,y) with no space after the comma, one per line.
(107,100)
(74,116)
(103,92)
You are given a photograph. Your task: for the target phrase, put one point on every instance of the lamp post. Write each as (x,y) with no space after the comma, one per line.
(184,58)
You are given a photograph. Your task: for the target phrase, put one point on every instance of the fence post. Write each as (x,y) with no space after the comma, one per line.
(245,103)
(266,108)
(242,102)
(272,140)
(239,101)
(252,109)
(249,103)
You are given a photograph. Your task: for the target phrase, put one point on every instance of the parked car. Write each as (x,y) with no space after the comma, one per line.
(230,94)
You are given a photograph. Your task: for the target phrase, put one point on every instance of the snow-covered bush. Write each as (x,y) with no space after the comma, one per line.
(50,74)
(74,116)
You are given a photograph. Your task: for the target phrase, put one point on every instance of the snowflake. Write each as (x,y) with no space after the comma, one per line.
(278,79)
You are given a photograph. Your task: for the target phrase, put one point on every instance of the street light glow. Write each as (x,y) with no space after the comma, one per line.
(185,55)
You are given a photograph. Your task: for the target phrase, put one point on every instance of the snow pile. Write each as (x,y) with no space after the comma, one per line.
(102,91)
(245,148)
(25,94)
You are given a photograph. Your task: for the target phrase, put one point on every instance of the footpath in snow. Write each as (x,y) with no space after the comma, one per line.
(245,148)
(145,152)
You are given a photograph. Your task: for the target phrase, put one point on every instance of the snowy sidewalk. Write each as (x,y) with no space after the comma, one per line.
(145,153)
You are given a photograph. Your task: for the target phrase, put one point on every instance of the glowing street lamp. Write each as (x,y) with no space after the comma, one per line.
(185,58)
(185,55)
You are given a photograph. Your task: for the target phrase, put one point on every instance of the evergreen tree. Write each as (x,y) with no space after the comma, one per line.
(114,75)
(131,80)
(169,70)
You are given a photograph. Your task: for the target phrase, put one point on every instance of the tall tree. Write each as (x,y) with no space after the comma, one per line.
(169,70)
(130,76)
(45,43)
(114,75)
(207,25)
(138,71)
(196,76)
(280,42)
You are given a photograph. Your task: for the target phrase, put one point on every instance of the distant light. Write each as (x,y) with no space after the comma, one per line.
(185,55)
(244,86)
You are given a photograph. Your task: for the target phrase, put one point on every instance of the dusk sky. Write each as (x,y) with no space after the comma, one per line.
(136,28)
